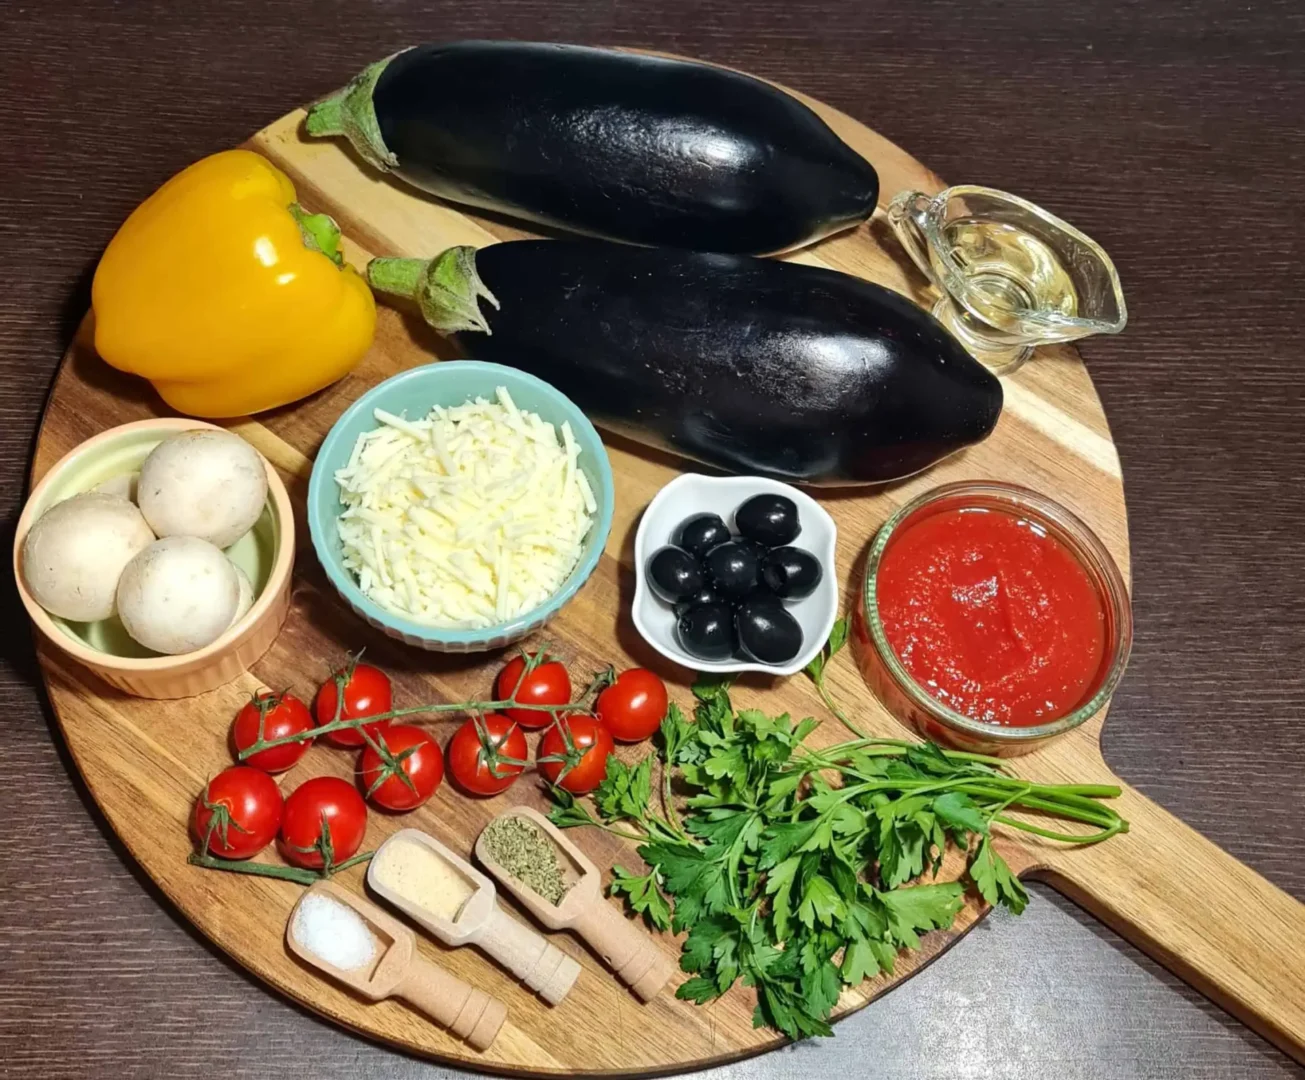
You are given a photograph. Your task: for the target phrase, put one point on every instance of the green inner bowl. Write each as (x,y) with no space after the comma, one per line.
(412,394)
(254,553)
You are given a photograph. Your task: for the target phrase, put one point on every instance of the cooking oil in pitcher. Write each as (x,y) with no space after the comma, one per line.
(1008,272)
(1010,276)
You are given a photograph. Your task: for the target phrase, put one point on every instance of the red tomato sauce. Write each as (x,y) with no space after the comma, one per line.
(992,616)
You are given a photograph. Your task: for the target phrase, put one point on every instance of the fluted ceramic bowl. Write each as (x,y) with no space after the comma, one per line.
(265,554)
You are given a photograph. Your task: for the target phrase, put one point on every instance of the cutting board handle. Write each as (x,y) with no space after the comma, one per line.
(1205,916)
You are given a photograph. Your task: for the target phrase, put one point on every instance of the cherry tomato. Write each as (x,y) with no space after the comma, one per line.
(238,813)
(366,693)
(588,736)
(416,755)
(548,684)
(321,811)
(283,714)
(475,751)
(633,706)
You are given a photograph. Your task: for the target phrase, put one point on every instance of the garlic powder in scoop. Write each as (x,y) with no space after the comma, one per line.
(470,517)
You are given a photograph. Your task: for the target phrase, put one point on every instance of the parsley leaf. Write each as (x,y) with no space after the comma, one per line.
(859,962)
(699,990)
(820,903)
(625,790)
(679,738)
(568,812)
(642,894)
(957,810)
(779,884)
(994,880)
(919,908)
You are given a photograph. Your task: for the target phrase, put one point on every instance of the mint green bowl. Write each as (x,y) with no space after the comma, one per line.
(412,394)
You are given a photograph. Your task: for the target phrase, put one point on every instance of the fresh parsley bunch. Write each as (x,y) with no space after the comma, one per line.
(797,870)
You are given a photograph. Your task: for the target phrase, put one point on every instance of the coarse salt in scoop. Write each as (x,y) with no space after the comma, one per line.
(371,952)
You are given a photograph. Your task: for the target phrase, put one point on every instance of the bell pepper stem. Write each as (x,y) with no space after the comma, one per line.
(320,233)
(447,288)
(351,113)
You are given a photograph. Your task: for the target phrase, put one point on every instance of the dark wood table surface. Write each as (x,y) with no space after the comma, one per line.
(1173,131)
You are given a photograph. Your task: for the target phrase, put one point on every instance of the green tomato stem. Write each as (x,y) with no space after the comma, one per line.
(285,873)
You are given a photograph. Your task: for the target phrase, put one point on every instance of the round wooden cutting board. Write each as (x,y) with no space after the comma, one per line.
(1197,908)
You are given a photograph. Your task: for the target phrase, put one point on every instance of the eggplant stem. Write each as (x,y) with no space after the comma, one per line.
(351,113)
(447,288)
(397,276)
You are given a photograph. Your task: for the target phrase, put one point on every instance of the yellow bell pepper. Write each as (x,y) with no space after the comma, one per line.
(226,295)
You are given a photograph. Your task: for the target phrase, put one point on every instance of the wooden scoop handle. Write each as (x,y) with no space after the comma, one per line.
(625,948)
(468,1013)
(1205,916)
(533,959)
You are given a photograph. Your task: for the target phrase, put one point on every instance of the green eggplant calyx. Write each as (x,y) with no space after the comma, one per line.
(351,113)
(320,233)
(447,288)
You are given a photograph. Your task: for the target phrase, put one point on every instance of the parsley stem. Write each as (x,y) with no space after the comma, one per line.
(1118,826)
(668,803)
(834,708)
(623,833)
(1048,799)
(898,747)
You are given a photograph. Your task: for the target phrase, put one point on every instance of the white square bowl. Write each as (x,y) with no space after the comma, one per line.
(694,494)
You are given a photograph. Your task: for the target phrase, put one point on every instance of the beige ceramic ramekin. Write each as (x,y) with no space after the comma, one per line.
(266,554)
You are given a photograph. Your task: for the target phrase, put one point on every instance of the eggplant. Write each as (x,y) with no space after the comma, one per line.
(750,365)
(642,149)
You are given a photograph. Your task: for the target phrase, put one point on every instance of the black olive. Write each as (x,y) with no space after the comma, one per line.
(767,633)
(674,574)
(705,595)
(700,533)
(733,568)
(760,591)
(769,519)
(707,632)
(791,573)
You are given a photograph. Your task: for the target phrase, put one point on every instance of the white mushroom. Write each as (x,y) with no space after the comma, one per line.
(205,483)
(246,600)
(124,484)
(178,595)
(74,554)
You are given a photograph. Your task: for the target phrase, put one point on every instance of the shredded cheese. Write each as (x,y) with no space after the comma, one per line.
(467,518)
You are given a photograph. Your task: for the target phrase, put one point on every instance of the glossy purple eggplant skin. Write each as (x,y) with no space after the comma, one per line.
(634,148)
(751,365)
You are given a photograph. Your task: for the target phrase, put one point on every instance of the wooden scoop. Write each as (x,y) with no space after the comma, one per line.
(541,965)
(623,947)
(397,970)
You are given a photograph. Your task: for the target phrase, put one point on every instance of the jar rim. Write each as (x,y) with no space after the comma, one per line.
(1069,529)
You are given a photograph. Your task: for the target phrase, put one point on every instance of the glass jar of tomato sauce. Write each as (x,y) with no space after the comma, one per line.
(992,618)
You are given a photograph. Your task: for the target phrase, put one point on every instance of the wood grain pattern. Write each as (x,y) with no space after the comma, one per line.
(1052,437)
(1159,128)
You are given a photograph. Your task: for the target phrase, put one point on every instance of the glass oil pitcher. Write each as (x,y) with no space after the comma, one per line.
(1012,276)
